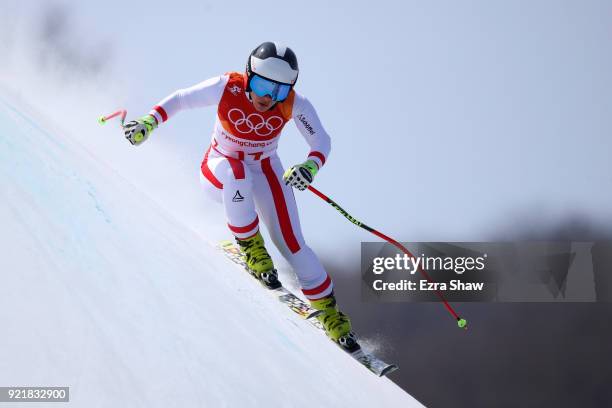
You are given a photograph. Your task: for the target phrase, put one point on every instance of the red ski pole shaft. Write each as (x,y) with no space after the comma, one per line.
(462,323)
(121,113)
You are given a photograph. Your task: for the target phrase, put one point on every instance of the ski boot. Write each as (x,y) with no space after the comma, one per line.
(258,261)
(337,325)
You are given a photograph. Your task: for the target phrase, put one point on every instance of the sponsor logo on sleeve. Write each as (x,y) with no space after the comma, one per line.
(307,125)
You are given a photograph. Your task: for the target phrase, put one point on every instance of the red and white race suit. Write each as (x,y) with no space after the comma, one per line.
(242,170)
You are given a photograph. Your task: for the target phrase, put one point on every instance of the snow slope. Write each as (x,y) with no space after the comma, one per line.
(107,293)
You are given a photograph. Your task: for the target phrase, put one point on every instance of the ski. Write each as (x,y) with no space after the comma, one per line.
(373,363)
(303,309)
(368,360)
(297,305)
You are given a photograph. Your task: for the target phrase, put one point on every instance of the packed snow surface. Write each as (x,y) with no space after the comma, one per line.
(106,292)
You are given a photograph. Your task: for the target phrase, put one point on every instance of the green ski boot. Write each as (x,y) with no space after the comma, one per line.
(258,260)
(337,325)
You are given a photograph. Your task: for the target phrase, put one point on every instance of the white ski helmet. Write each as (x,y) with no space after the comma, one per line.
(273,61)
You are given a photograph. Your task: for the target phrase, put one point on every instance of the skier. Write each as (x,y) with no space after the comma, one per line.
(241,168)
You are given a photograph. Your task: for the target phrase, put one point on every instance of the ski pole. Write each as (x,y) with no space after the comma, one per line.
(462,323)
(121,112)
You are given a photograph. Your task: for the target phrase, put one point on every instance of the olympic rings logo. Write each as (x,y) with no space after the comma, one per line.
(254,122)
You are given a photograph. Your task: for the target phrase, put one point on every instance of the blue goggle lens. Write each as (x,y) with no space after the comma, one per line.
(262,87)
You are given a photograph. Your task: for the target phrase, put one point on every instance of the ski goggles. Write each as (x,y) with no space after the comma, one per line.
(262,87)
